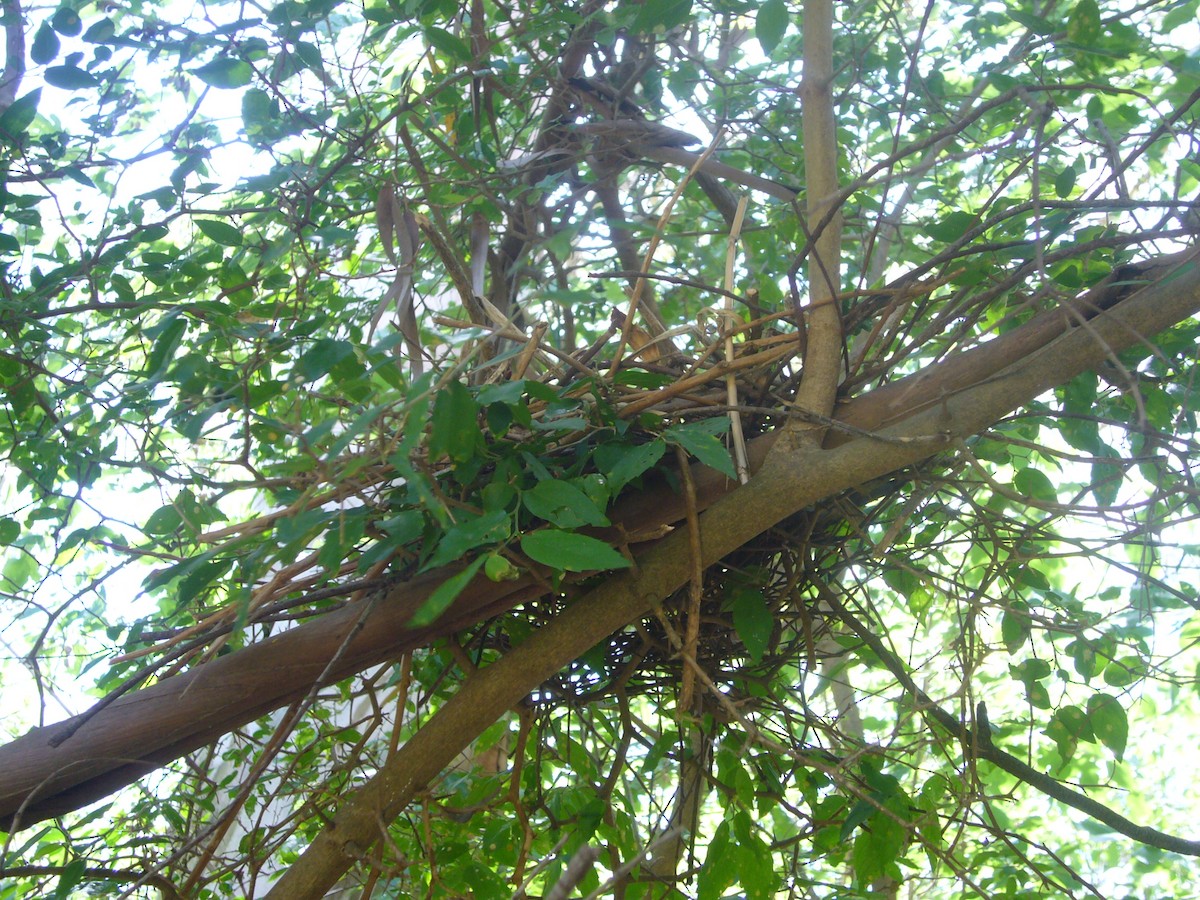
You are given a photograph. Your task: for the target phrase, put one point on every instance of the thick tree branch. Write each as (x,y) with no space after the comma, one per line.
(150,727)
(787,483)
(822,317)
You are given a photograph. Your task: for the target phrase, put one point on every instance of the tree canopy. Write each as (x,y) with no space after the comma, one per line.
(647,448)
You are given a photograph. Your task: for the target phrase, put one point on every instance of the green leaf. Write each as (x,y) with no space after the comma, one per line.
(1015,626)
(1084,658)
(662,15)
(69,78)
(489,528)
(699,442)
(45,45)
(452,45)
(164,520)
(165,344)
(563,504)
(877,848)
(455,430)
(221,232)
(1109,723)
(1034,483)
(10,530)
(571,552)
(720,869)
(1064,182)
(1183,14)
(66,21)
(225,72)
(18,117)
(101,32)
(621,463)
(259,109)
(343,536)
(199,576)
(1107,478)
(1083,25)
(1124,671)
(752,620)
(770,24)
(952,227)
(445,593)
(320,359)
(71,877)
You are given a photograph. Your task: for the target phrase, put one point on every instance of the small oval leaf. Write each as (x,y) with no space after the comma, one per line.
(221,232)
(69,78)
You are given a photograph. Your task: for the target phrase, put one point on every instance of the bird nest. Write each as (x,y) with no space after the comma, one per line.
(754,611)
(743,373)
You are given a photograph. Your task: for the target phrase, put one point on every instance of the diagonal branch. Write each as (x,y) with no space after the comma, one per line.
(787,483)
(148,728)
(977,743)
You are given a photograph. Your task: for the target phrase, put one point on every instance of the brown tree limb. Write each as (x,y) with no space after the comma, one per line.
(14,52)
(150,727)
(787,483)
(822,318)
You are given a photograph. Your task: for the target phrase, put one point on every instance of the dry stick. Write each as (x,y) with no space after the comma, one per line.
(787,482)
(692,626)
(521,366)
(583,860)
(628,867)
(655,240)
(727,321)
(653,398)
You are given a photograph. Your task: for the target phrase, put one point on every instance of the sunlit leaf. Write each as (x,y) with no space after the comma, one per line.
(1034,483)
(1083,25)
(221,232)
(454,47)
(1109,723)
(225,72)
(770,24)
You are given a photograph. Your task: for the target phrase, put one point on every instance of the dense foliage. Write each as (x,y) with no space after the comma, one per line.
(315,308)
